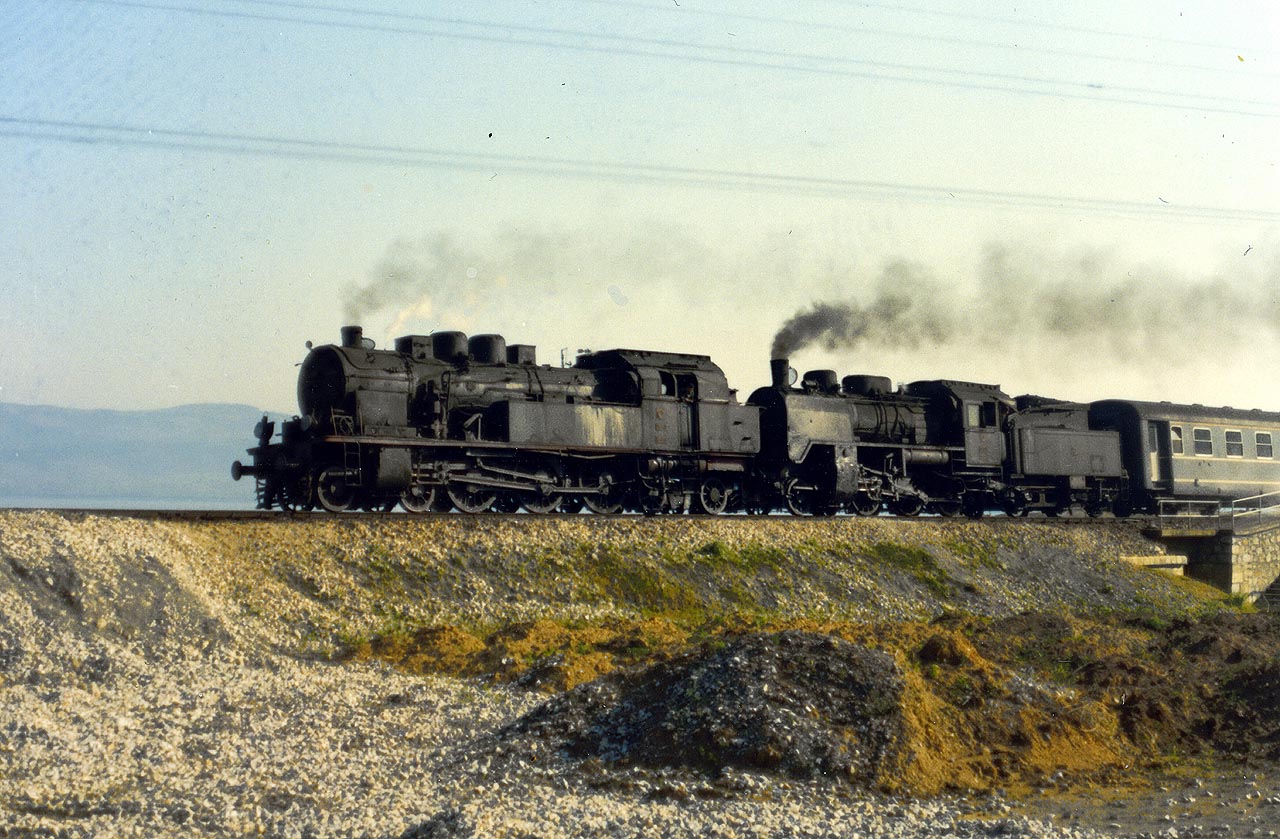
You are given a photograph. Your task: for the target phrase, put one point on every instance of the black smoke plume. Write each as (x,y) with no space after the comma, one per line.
(895,319)
(1092,306)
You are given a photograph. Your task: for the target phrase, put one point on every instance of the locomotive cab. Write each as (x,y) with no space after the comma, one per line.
(967,414)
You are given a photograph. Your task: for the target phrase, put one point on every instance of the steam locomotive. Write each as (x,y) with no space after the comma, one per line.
(445,422)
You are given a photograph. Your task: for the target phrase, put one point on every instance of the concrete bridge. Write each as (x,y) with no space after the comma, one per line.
(1236,549)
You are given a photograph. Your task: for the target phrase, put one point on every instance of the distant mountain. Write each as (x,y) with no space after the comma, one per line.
(97,458)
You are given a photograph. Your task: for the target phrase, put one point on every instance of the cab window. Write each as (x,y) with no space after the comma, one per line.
(1175,439)
(1203,439)
(687,387)
(980,414)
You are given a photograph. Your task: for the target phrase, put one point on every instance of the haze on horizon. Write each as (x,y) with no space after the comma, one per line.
(1080,201)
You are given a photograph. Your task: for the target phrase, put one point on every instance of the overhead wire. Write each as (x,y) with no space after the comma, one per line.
(90,133)
(695,53)
(687,10)
(261,145)
(1061,27)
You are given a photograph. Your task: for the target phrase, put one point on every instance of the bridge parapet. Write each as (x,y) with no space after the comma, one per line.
(1235,548)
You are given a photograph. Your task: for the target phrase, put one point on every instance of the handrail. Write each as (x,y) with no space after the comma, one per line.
(1255,510)
(1256,507)
(1210,509)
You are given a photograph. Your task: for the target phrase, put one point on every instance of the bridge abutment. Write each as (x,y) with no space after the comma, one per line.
(1246,564)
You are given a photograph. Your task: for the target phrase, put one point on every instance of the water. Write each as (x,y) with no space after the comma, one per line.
(123,503)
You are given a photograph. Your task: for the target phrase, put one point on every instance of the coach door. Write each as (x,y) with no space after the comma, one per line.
(1159,466)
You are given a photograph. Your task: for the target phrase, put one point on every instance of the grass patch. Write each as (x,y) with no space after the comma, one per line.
(623,576)
(917,562)
(973,552)
(750,557)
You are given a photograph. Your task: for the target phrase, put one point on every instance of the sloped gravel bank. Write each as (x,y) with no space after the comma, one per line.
(162,678)
(309,585)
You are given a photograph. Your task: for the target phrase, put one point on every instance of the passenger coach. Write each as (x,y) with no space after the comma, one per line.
(1190,452)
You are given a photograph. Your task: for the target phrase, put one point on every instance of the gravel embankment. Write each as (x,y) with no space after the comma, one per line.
(160,679)
(309,585)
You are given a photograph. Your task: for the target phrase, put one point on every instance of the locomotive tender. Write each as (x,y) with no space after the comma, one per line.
(442,422)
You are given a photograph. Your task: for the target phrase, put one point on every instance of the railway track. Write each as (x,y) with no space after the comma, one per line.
(319,515)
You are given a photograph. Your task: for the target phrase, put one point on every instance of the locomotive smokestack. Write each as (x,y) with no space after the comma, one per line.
(780,369)
(352,337)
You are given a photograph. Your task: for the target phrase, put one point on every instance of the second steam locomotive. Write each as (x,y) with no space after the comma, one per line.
(445,422)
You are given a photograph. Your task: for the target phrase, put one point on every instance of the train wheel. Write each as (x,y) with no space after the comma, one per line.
(536,502)
(974,507)
(1122,508)
(1094,509)
(543,499)
(471,499)
(506,502)
(906,505)
(947,507)
(282,501)
(609,500)
(1014,503)
(298,494)
(713,497)
(333,492)
(798,501)
(864,505)
(810,502)
(605,505)
(418,499)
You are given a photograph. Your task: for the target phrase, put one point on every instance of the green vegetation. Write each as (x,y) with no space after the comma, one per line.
(621,575)
(974,552)
(752,556)
(917,562)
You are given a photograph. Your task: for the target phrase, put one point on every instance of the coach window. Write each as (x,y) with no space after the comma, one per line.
(1175,439)
(1203,438)
(1263,441)
(1235,444)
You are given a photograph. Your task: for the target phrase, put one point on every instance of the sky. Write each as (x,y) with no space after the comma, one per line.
(1079,199)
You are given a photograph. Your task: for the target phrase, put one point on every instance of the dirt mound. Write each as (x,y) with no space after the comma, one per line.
(962,702)
(1187,687)
(807,704)
(799,703)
